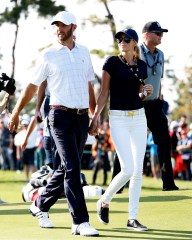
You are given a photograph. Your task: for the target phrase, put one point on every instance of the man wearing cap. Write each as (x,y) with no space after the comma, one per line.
(67,68)
(156,119)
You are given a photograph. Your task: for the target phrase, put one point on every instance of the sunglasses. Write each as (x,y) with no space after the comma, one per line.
(160,34)
(126,40)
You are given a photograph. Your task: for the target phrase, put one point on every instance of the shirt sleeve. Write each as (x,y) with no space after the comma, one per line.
(91,73)
(108,65)
(41,70)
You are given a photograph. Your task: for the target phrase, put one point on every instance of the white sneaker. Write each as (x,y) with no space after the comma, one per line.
(43,217)
(84,229)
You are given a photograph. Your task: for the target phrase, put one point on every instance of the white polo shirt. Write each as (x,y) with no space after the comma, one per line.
(67,73)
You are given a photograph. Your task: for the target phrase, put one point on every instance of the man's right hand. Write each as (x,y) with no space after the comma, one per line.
(13,122)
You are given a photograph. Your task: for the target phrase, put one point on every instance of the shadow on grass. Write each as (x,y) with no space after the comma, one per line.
(13,204)
(154,199)
(151,234)
(160,189)
(26,211)
(164,198)
(147,199)
(13,181)
(60,201)
(120,200)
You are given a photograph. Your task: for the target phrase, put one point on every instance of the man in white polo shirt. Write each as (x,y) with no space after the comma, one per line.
(67,68)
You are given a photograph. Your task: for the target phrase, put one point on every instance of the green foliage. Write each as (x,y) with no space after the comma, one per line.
(43,7)
(13,14)
(102,54)
(47,7)
(98,52)
(184,93)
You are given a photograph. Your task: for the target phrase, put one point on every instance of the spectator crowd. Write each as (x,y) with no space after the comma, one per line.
(99,151)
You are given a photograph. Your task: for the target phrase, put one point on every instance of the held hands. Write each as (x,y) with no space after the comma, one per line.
(94,126)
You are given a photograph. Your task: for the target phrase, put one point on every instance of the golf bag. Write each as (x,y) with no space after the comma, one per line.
(37,183)
(41,178)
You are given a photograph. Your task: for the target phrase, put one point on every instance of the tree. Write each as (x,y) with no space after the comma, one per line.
(184,88)
(20,9)
(107,20)
(184,93)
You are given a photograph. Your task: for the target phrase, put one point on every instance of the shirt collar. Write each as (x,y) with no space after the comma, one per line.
(147,49)
(59,46)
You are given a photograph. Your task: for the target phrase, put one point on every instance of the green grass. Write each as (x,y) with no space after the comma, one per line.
(168,215)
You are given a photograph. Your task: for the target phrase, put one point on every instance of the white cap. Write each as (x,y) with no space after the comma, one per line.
(173,124)
(64,17)
(25,120)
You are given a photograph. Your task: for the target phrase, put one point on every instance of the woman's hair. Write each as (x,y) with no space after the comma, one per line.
(137,52)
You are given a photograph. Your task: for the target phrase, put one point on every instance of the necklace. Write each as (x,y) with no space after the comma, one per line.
(133,68)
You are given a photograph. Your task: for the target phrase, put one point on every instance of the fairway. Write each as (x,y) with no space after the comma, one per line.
(168,215)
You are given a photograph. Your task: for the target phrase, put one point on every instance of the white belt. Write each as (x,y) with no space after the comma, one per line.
(132,113)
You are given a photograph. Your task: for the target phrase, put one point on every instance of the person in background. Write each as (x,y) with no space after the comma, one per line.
(184,147)
(111,152)
(155,168)
(6,143)
(122,79)
(174,135)
(27,155)
(3,105)
(183,120)
(6,139)
(183,124)
(101,162)
(189,134)
(67,68)
(41,117)
(165,105)
(157,121)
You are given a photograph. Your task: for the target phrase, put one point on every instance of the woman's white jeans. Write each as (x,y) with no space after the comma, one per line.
(129,135)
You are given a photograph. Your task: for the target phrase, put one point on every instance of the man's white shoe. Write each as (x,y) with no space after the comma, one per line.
(84,229)
(43,217)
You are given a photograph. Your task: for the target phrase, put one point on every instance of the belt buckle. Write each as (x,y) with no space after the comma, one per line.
(130,113)
(78,112)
